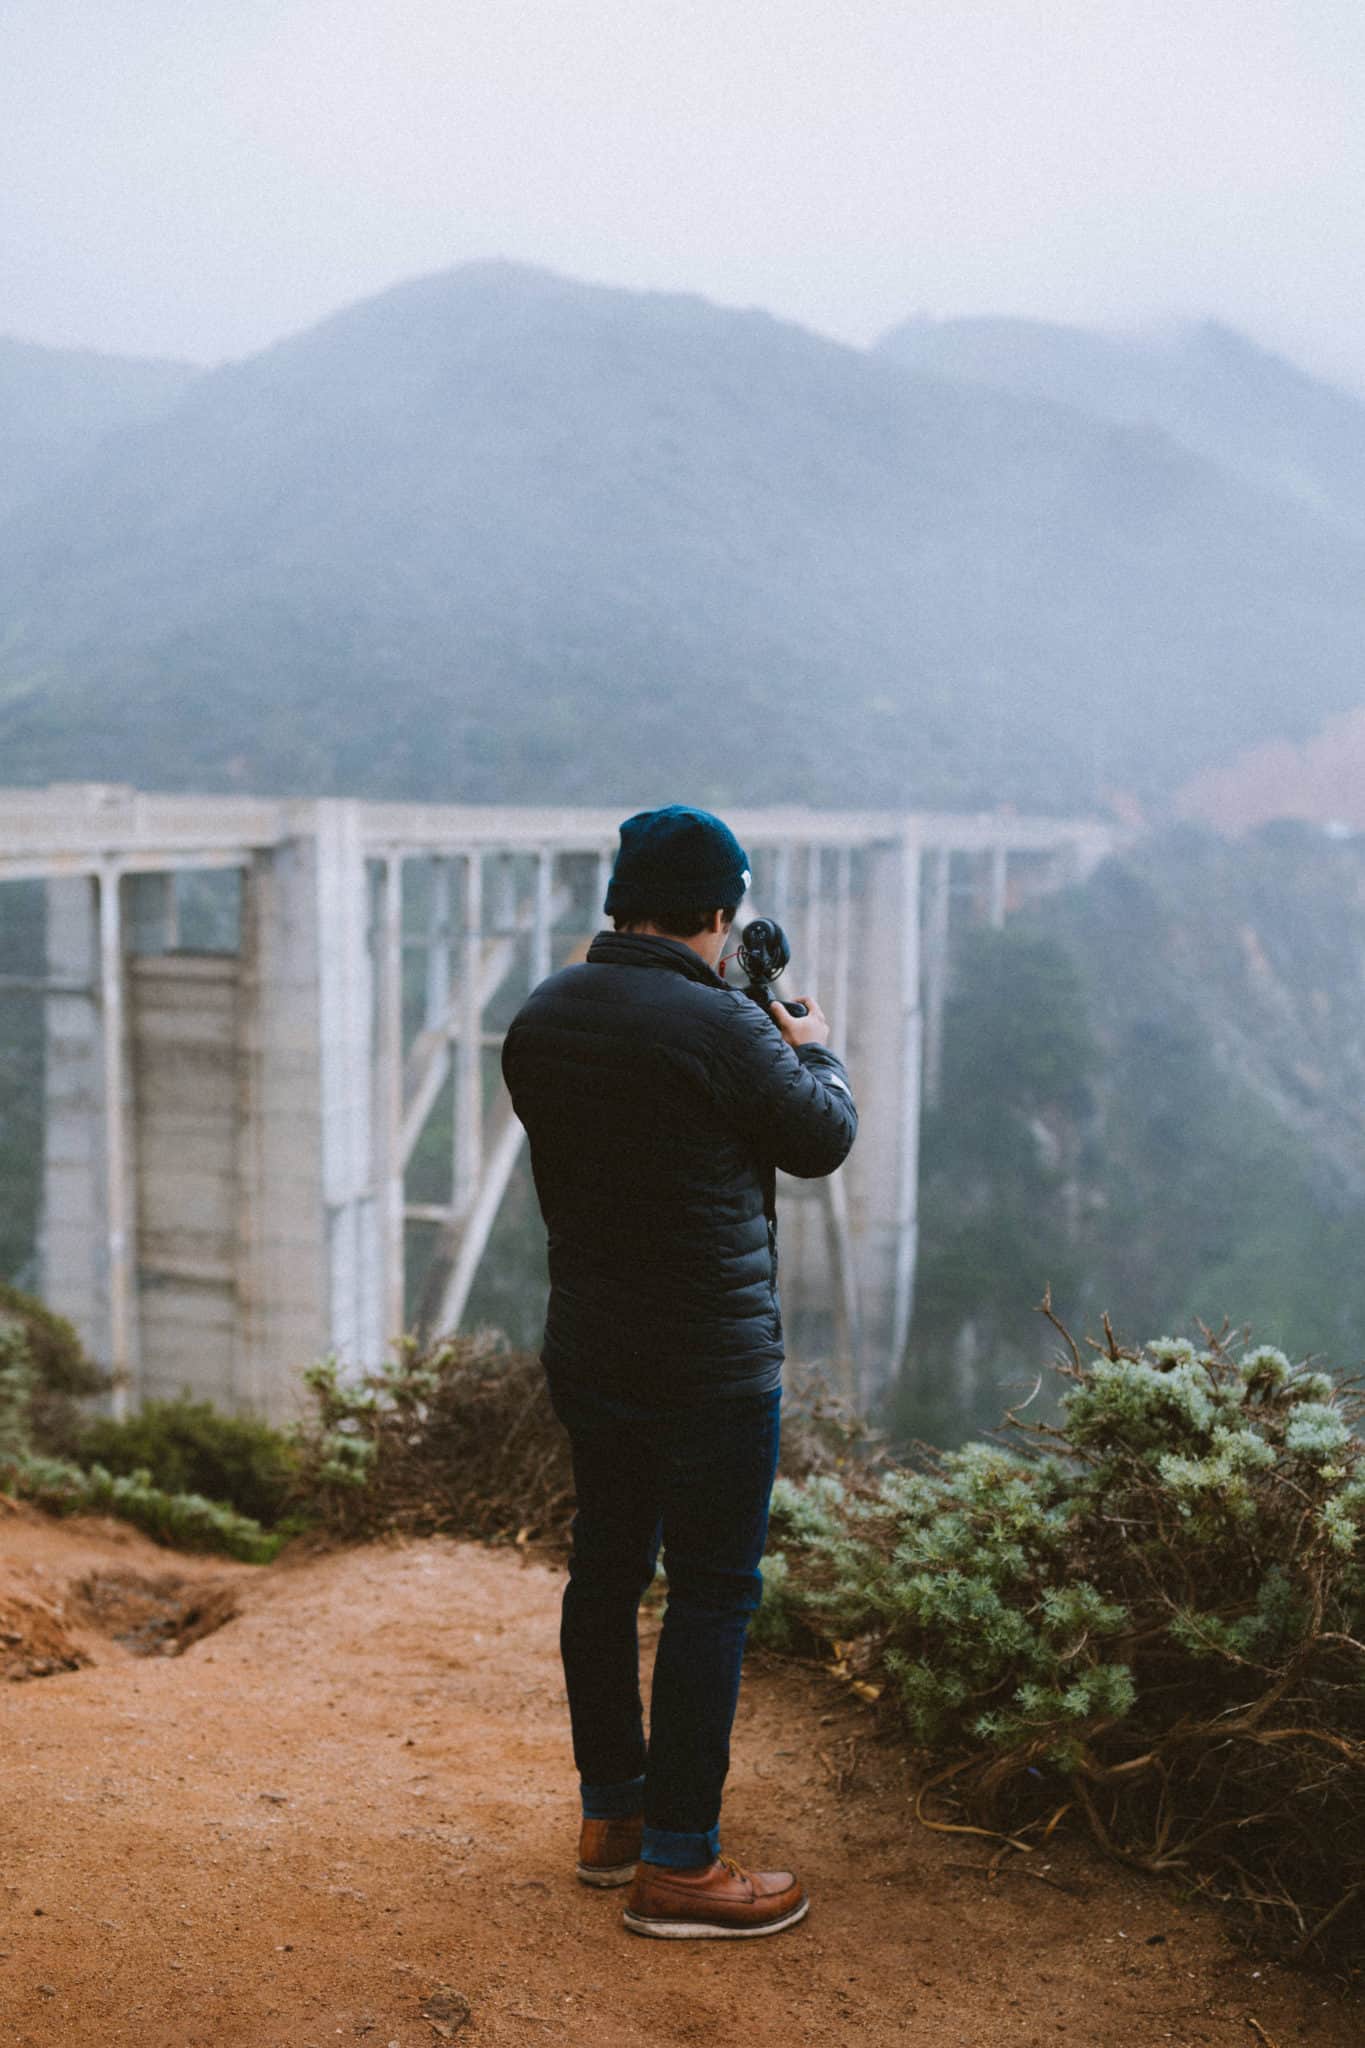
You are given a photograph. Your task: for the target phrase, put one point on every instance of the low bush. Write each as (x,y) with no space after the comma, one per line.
(61,1377)
(456,1438)
(460,1438)
(1151,1616)
(823,1433)
(16,1395)
(186,1520)
(190,1446)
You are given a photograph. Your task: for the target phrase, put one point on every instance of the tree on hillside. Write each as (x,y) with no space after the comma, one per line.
(1003,1188)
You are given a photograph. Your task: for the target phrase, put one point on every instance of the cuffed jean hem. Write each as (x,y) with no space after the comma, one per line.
(679,1851)
(613,1802)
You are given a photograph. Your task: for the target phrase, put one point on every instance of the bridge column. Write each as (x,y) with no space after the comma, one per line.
(936,969)
(911,1063)
(285,1278)
(467,1167)
(838,1210)
(387,1108)
(346,1047)
(120,1197)
(886,1051)
(997,889)
(72,1231)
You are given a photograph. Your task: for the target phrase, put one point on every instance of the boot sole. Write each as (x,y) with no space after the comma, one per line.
(604,1877)
(710,1930)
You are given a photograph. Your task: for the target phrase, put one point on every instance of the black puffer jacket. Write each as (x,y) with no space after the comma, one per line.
(659,1104)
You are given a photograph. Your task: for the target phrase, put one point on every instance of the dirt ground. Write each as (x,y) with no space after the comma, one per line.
(347,1813)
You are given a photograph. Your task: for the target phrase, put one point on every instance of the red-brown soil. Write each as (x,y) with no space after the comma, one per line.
(35,1639)
(355,1801)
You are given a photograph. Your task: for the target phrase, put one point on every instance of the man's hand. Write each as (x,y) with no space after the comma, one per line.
(812,1029)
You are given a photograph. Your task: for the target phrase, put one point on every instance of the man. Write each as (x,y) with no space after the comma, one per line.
(659,1104)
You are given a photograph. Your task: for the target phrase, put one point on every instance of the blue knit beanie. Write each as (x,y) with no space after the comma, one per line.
(676,859)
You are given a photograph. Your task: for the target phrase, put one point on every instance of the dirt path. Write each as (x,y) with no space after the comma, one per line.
(358,1794)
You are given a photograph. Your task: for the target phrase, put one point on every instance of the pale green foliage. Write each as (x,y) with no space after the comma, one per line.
(1313,1430)
(16,1392)
(775,1626)
(812,1514)
(1343,1516)
(1169,1351)
(186,1520)
(963,1576)
(346,1460)
(1265,1369)
(342,1451)
(1181,1556)
(1143,1404)
(459,1437)
(1218,1481)
(1277,1618)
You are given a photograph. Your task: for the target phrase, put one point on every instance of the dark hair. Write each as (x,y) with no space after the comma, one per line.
(679,924)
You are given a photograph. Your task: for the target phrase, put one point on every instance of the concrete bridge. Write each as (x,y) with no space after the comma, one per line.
(274,1123)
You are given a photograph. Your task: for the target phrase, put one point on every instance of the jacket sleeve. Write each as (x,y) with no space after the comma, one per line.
(796,1105)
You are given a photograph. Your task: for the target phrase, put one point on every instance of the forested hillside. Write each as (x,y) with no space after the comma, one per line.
(1206,386)
(58,405)
(495,535)
(1152,1100)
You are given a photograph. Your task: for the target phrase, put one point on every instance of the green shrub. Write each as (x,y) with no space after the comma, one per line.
(16,1394)
(55,1351)
(185,1521)
(189,1446)
(1153,1614)
(459,1437)
(61,1376)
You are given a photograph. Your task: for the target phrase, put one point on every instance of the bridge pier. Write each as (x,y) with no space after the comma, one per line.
(73,1243)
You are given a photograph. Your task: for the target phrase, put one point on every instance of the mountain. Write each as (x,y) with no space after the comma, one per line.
(499,536)
(57,405)
(1208,387)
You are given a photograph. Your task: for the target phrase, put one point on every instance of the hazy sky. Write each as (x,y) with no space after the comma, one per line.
(198,177)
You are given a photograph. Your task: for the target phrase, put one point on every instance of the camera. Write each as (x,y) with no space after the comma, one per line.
(763,955)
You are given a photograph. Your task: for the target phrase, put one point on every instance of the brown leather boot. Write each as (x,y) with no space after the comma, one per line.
(609,1849)
(719,1902)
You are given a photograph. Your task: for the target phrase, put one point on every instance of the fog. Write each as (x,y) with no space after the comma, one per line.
(197,182)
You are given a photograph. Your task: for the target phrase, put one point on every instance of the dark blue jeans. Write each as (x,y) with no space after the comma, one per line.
(697,1479)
